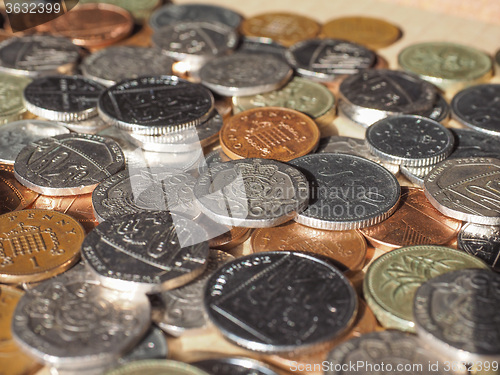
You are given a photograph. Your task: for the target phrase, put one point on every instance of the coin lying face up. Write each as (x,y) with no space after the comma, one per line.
(482,241)
(236,365)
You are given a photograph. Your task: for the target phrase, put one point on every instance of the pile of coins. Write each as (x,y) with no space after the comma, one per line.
(185,194)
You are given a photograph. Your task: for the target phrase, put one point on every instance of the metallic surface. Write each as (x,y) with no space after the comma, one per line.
(416,175)
(440,112)
(152,346)
(234,366)
(228,240)
(14,196)
(482,241)
(470,143)
(156,367)
(140,10)
(11,97)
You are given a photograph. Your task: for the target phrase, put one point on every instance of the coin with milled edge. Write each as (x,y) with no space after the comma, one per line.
(231,238)
(91,125)
(114,64)
(257,302)
(37,55)
(325,60)
(410,140)
(347,191)
(470,143)
(155,105)
(68,164)
(243,74)
(156,367)
(152,346)
(233,366)
(14,195)
(262,45)
(482,241)
(252,193)
(11,97)
(140,10)
(416,175)
(465,301)
(466,189)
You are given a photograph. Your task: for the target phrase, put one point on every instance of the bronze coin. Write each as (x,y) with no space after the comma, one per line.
(232,238)
(415,222)
(269,133)
(345,247)
(13,195)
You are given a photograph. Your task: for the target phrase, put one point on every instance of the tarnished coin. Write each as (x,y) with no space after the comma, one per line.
(325,60)
(252,193)
(464,301)
(232,366)
(440,112)
(475,107)
(347,191)
(392,279)
(470,143)
(37,244)
(68,164)
(37,55)
(384,352)
(62,98)
(466,189)
(181,309)
(257,301)
(146,251)
(271,133)
(449,66)
(155,105)
(284,28)
(140,10)
(410,140)
(114,64)
(243,74)
(131,191)
(179,13)
(11,97)
(156,367)
(347,248)
(152,346)
(14,196)
(482,241)
(370,32)
(71,320)
(415,222)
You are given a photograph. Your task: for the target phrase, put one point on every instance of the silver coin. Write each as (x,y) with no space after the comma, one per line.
(410,140)
(372,95)
(456,314)
(383,353)
(328,59)
(234,366)
(482,241)
(156,367)
(278,302)
(242,74)
(252,193)
(129,192)
(347,191)
(71,321)
(214,157)
(152,346)
(470,143)
(179,310)
(68,164)
(466,189)
(178,13)
(62,98)
(440,112)
(114,64)
(37,55)
(261,45)
(155,105)
(476,108)
(91,125)
(14,136)
(146,252)
(416,174)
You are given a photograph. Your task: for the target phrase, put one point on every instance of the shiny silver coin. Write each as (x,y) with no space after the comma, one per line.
(234,366)
(91,125)
(411,140)
(347,191)
(129,192)
(466,189)
(244,74)
(455,312)
(328,59)
(179,310)
(416,174)
(156,105)
(152,346)
(214,157)
(261,45)
(156,367)
(257,301)
(14,136)
(62,98)
(146,252)
(482,241)
(37,55)
(252,193)
(114,64)
(71,321)
(440,112)
(476,108)
(470,143)
(68,164)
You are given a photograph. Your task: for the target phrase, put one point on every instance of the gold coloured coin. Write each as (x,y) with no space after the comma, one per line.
(11,97)
(37,244)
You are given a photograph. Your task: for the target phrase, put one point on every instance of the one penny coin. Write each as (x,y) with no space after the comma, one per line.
(14,196)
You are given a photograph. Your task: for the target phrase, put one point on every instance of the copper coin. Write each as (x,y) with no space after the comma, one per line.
(79,207)
(269,133)
(284,28)
(415,222)
(345,247)
(93,25)
(37,244)
(13,195)
(233,237)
